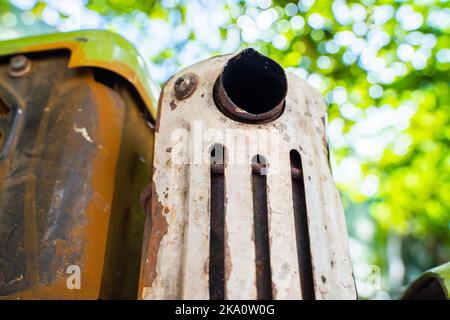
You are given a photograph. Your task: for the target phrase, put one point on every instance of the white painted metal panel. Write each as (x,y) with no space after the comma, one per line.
(176,263)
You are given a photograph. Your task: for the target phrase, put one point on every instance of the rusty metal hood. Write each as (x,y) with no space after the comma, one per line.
(94,48)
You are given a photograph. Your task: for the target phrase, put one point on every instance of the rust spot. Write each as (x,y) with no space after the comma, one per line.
(274,290)
(169,150)
(206,267)
(4,108)
(159,229)
(323,278)
(173,105)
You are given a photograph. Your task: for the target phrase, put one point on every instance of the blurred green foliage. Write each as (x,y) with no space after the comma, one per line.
(383,67)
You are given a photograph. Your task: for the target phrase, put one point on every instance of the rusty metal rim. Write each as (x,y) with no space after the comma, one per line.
(231,110)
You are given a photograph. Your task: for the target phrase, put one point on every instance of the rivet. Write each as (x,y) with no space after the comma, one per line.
(19,66)
(185,85)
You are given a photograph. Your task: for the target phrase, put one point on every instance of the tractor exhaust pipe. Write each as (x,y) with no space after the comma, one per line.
(251,88)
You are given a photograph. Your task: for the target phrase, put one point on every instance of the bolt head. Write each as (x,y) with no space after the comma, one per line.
(185,85)
(19,65)
(18,62)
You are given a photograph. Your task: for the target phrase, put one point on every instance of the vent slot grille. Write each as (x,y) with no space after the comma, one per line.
(217,225)
(261,226)
(301,227)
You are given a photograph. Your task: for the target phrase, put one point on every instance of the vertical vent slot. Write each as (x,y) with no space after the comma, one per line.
(301,227)
(261,228)
(217,225)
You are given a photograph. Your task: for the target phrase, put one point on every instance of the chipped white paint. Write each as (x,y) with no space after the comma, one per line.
(182,191)
(283,250)
(84,133)
(19,278)
(239,247)
(195,280)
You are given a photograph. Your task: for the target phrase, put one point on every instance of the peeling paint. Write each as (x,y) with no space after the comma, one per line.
(159,229)
(84,133)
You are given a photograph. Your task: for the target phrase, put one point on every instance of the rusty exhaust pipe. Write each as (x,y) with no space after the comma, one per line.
(251,88)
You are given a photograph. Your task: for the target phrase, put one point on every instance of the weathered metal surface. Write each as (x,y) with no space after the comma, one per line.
(120,278)
(94,48)
(176,257)
(65,154)
(431,285)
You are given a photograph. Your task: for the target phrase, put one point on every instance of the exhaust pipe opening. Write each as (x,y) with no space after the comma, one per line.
(251,88)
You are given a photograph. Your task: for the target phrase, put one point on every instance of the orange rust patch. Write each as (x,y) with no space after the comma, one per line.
(84,242)
(159,229)
(104,168)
